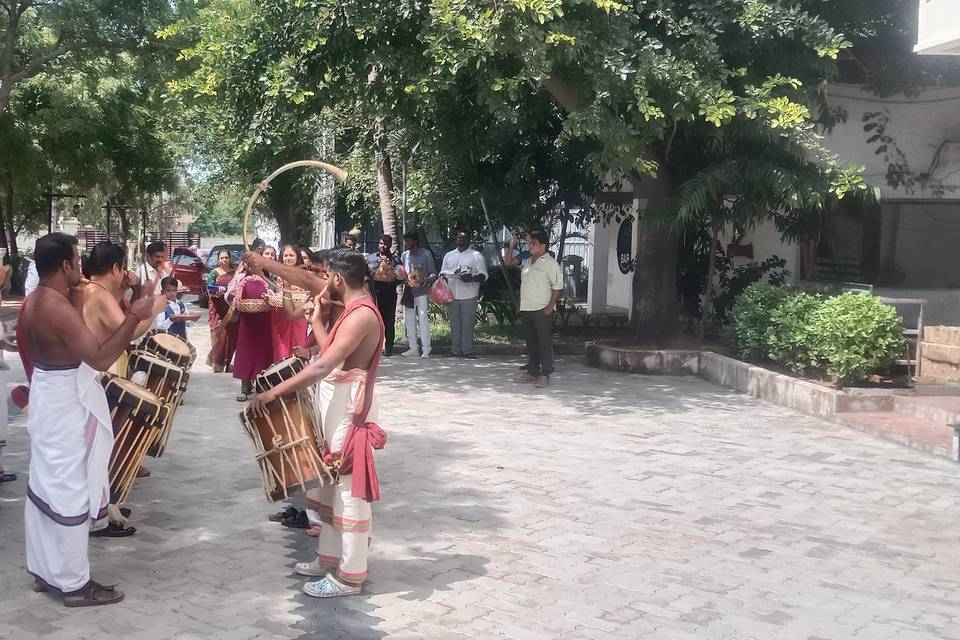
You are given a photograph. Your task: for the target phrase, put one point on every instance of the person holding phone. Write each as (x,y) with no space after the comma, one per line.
(541,282)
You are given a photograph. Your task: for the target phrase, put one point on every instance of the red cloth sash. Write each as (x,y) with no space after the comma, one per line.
(356,457)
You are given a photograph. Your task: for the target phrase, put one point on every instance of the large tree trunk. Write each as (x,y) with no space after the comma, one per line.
(3,226)
(655,307)
(285,213)
(9,230)
(656,310)
(388,213)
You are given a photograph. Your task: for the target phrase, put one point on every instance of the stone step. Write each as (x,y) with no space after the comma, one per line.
(941,410)
(930,437)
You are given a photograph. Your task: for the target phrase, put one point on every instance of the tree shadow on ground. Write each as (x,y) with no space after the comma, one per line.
(422,507)
(594,392)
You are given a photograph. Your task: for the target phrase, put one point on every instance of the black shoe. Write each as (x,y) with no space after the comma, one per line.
(297,522)
(280,516)
(113,531)
(470,356)
(453,355)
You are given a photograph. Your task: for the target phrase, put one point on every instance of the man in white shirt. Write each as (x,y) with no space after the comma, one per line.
(33,279)
(154,268)
(464,269)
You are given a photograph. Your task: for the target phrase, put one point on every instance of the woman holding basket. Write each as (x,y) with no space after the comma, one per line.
(254,353)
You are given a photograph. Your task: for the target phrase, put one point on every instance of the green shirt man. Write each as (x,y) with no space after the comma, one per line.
(541,282)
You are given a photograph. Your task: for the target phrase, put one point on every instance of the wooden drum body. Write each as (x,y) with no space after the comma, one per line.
(287,450)
(137,416)
(165,380)
(170,347)
(287,441)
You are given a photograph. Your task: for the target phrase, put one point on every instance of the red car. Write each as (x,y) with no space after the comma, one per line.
(189,269)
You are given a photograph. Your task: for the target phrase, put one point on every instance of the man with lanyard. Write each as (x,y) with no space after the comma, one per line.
(383,270)
(541,282)
(464,270)
(69,424)
(344,374)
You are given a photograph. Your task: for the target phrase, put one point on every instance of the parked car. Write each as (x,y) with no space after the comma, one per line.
(236,254)
(189,269)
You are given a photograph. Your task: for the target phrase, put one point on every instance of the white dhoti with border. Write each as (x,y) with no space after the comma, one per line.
(70,443)
(346,521)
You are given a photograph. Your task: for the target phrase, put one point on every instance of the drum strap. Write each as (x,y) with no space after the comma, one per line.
(356,458)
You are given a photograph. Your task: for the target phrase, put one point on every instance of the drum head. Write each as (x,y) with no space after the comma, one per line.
(144,360)
(172,343)
(293,363)
(144,403)
(278,372)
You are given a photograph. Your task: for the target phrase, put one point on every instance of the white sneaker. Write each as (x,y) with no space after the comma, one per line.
(426,354)
(409,352)
(311,569)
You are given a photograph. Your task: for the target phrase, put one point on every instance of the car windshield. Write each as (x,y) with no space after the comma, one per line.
(236,252)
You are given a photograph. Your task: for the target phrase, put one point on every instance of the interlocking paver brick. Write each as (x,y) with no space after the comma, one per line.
(608,506)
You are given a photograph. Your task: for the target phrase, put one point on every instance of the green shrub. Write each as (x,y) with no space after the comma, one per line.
(855,335)
(750,318)
(790,336)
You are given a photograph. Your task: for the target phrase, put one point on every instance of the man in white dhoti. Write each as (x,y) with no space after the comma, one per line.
(69,426)
(345,373)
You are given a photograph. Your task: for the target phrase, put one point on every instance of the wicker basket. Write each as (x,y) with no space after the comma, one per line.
(249,305)
(275,298)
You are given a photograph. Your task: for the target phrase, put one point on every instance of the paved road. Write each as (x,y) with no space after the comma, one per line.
(609,506)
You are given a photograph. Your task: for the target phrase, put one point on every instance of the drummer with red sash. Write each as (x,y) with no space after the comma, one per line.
(345,374)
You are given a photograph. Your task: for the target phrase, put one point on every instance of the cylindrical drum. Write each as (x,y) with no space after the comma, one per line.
(167,381)
(137,416)
(286,440)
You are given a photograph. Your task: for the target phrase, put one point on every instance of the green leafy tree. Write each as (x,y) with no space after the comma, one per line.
(74,100)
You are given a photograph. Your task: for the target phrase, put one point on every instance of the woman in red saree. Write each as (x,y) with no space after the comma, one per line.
(223,321)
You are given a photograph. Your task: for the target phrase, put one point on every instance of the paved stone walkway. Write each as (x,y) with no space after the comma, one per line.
(609,506)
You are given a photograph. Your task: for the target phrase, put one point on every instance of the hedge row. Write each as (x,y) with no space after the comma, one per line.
(850,336)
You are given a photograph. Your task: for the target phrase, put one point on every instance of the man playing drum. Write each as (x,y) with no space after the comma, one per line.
(69,424)
(98,301)
(345,373)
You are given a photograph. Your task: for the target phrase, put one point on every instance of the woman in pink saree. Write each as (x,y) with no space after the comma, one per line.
(289,325)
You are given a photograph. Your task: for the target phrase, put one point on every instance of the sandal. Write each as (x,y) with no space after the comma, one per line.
(92,595)
(280,516)
(113,530)
(42,586)
(143,472)
(244,397)
(329,587)
(298,521)
(8,477)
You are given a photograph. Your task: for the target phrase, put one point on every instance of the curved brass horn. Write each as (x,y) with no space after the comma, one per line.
(338,174)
